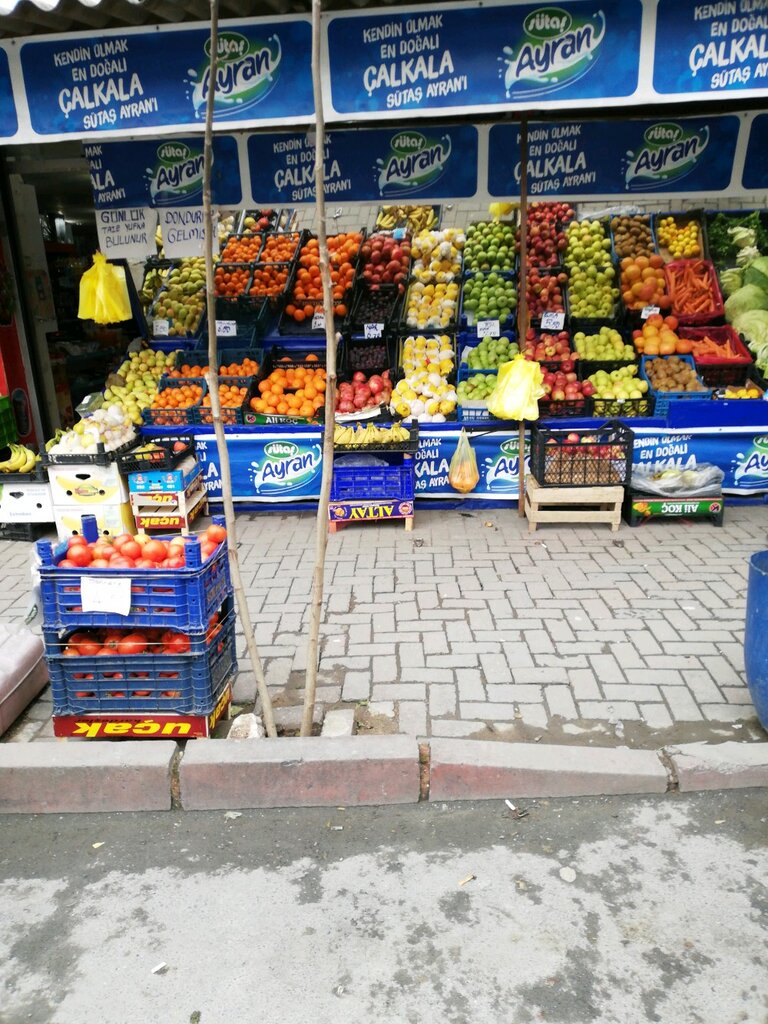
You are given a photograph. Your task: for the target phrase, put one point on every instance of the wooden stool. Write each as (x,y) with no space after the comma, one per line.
(572,504)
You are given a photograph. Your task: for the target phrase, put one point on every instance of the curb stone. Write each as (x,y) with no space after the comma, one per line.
(134,775)
(729,765)
(76,778)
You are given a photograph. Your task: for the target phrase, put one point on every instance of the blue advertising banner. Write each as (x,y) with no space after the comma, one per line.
(710,47)
(741,454)
(8,121)
(482,55)
(169,173)
(437,162)
(497,461)
(755,174)
(283,465)
(615,157)
(148,78)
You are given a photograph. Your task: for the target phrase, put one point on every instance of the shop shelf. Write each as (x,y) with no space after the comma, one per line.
(602,455)
(373,483)
(663,399)
(183,599)
(713,372)
(189,683)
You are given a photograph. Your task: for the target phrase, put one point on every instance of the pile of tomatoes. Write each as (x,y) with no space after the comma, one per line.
(308,290)
(87,643)
(137,552)
(292,391)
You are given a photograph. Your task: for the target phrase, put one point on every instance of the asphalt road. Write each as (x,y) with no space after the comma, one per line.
(608,909)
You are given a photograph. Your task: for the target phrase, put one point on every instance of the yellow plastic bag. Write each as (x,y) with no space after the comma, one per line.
(104,293)
(463,474)
(518,391)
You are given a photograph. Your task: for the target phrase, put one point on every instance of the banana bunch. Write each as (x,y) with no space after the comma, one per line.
(55,439)
(22,460)
(152,284)
(413,218)
(370,434)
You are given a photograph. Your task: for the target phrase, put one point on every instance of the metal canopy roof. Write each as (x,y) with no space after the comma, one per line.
(34,17)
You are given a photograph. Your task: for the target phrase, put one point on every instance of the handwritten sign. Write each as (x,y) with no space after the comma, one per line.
(226,328)
(552,321)
(649,311)
(373,330)
(102,595)
(318,321)
(160,328)
(488,328)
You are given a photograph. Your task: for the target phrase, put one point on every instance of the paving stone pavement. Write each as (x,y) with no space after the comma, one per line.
(471,627)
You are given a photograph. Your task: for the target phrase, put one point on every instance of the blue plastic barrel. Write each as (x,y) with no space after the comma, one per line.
(756,635)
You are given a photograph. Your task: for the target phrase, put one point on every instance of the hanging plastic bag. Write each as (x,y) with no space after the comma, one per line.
(517,393)
(104,293)
(463,474)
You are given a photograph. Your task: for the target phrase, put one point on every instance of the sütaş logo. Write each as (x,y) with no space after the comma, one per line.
(177,176)
(556,50)
(667,152)
(502,470)
(413,163)
(752,466)
(246,72)
(286,468)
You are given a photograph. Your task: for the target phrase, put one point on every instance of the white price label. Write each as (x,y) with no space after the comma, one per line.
(552,321)
(226,328)
(113,596)
(318,321)
(160,328)
(488,328)
(373,330)
(649,311)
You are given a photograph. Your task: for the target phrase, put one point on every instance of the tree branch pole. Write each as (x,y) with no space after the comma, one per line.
(321,527)
(522,304)
(213,385)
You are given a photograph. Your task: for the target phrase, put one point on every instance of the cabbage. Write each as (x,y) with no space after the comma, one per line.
(753,324)
(730,281)
(746,298)
(757,273)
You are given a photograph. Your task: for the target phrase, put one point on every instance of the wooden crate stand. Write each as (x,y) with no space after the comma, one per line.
(572,504)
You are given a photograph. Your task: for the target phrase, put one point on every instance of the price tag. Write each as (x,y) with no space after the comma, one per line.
(160,328)
(373,330)
(649,311)
(112,596)
(552,321)
(226,328)
(318,321)
(488,328)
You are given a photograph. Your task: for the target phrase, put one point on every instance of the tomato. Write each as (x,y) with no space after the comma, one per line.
(133,643)
(76,541)
(142,539)
(122,563)
(216,533)
(123,538)
(80,555)
(207,549)
(175,563)
(70,652)
(155,551)
(141,693)
(131,550)
(171,693)
(99,563)
(106,650)
(101,549)
(175,643)
(66,564)
(89,649)
(144,563)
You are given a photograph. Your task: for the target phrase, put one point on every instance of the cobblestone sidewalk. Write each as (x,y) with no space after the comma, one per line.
(471,626)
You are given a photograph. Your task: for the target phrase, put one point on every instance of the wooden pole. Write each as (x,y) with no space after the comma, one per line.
(213,385)
(321,526)
(522,304)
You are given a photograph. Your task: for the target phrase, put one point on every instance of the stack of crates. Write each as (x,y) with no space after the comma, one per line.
(158,692)
(165,483)
(90,483)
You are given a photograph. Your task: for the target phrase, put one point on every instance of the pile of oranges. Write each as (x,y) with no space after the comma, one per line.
(279,249)
(172,404)
(292,391)
(247,368)
(269,280)
(642,282)
(229,281)
(242,249)
(308,289)
(231,397)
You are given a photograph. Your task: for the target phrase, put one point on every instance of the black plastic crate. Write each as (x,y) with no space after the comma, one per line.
(162,457)
(23,531)
(563,408)
(360,313)
(265,256)
(600,456)
(98,458)
(371,355)
(255,240)
(229,414)
(175,417)
(624,408)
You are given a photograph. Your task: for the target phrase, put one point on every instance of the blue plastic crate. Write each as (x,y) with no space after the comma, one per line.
(188,683)
(182,599)
(663,399)
(467,320)
(373,483)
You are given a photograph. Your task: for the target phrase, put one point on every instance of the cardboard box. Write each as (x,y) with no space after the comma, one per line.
(26,503)
(88,485)
(111,520)
(159,480)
